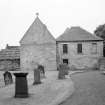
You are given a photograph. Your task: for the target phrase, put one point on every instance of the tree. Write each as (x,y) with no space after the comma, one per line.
(100,31)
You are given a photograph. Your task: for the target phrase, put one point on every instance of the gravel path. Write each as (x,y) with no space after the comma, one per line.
(89,89)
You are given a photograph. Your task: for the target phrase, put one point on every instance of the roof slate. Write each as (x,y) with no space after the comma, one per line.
(11,52)
(37,33)
(78,34)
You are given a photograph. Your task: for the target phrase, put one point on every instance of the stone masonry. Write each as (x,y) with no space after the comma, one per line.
(80,61)
(38,46)
(91,48)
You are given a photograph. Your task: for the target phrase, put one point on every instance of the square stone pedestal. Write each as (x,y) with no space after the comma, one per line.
(21,87)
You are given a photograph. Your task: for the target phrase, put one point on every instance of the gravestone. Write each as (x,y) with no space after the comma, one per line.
(8,78)
(42,71)
(37,77)
(63,70)
(21,87)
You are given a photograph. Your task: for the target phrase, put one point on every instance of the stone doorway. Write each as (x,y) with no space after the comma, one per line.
(65,61)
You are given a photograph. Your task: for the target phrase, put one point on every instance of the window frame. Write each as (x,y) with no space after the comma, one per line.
(79,48)
(65,48)
(93,48)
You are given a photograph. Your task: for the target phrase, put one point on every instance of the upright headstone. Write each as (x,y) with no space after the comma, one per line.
(42,71)
(8,78)
(63,70)
(37,77)
(21,87)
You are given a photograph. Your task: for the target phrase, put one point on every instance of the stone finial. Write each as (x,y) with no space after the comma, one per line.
(7,45)
(37,14)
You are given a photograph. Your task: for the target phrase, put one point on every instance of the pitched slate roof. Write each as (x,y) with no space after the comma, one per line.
(77,34)
(10,52)
(37,33)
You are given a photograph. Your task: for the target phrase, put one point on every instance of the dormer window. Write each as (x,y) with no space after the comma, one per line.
(65,48)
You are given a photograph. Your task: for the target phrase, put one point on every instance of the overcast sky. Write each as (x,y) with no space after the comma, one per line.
(17,15)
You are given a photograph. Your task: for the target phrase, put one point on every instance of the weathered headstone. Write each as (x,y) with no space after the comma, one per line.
(8,78)
(21,87)
(42,71)
(63,70)
(37,77)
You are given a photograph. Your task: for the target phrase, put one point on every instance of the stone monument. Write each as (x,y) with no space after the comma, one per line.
(37,76)
(21,87)
(42,71)
(8,78)
(63,70)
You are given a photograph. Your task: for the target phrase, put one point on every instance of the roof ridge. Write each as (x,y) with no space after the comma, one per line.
(37,33)
(77,34)
(37,20)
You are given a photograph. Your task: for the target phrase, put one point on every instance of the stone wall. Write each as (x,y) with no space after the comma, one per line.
(80,61)
(33,54)
(10,64)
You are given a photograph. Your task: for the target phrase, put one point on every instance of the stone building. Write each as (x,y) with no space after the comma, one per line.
(38,46)
(10,58)
(79,48)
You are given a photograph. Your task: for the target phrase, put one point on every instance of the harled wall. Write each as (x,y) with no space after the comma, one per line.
(80,61)
(33,54)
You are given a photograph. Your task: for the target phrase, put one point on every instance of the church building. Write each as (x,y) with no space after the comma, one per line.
(38,46)
(76,47)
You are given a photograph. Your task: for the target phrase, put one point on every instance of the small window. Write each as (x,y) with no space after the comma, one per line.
(65,61)
(79,48)
(94,48)
(65,48)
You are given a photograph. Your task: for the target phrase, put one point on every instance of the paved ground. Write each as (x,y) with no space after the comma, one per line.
(50,92)
(89,89)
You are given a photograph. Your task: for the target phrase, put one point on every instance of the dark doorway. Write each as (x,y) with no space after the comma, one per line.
(65,61)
